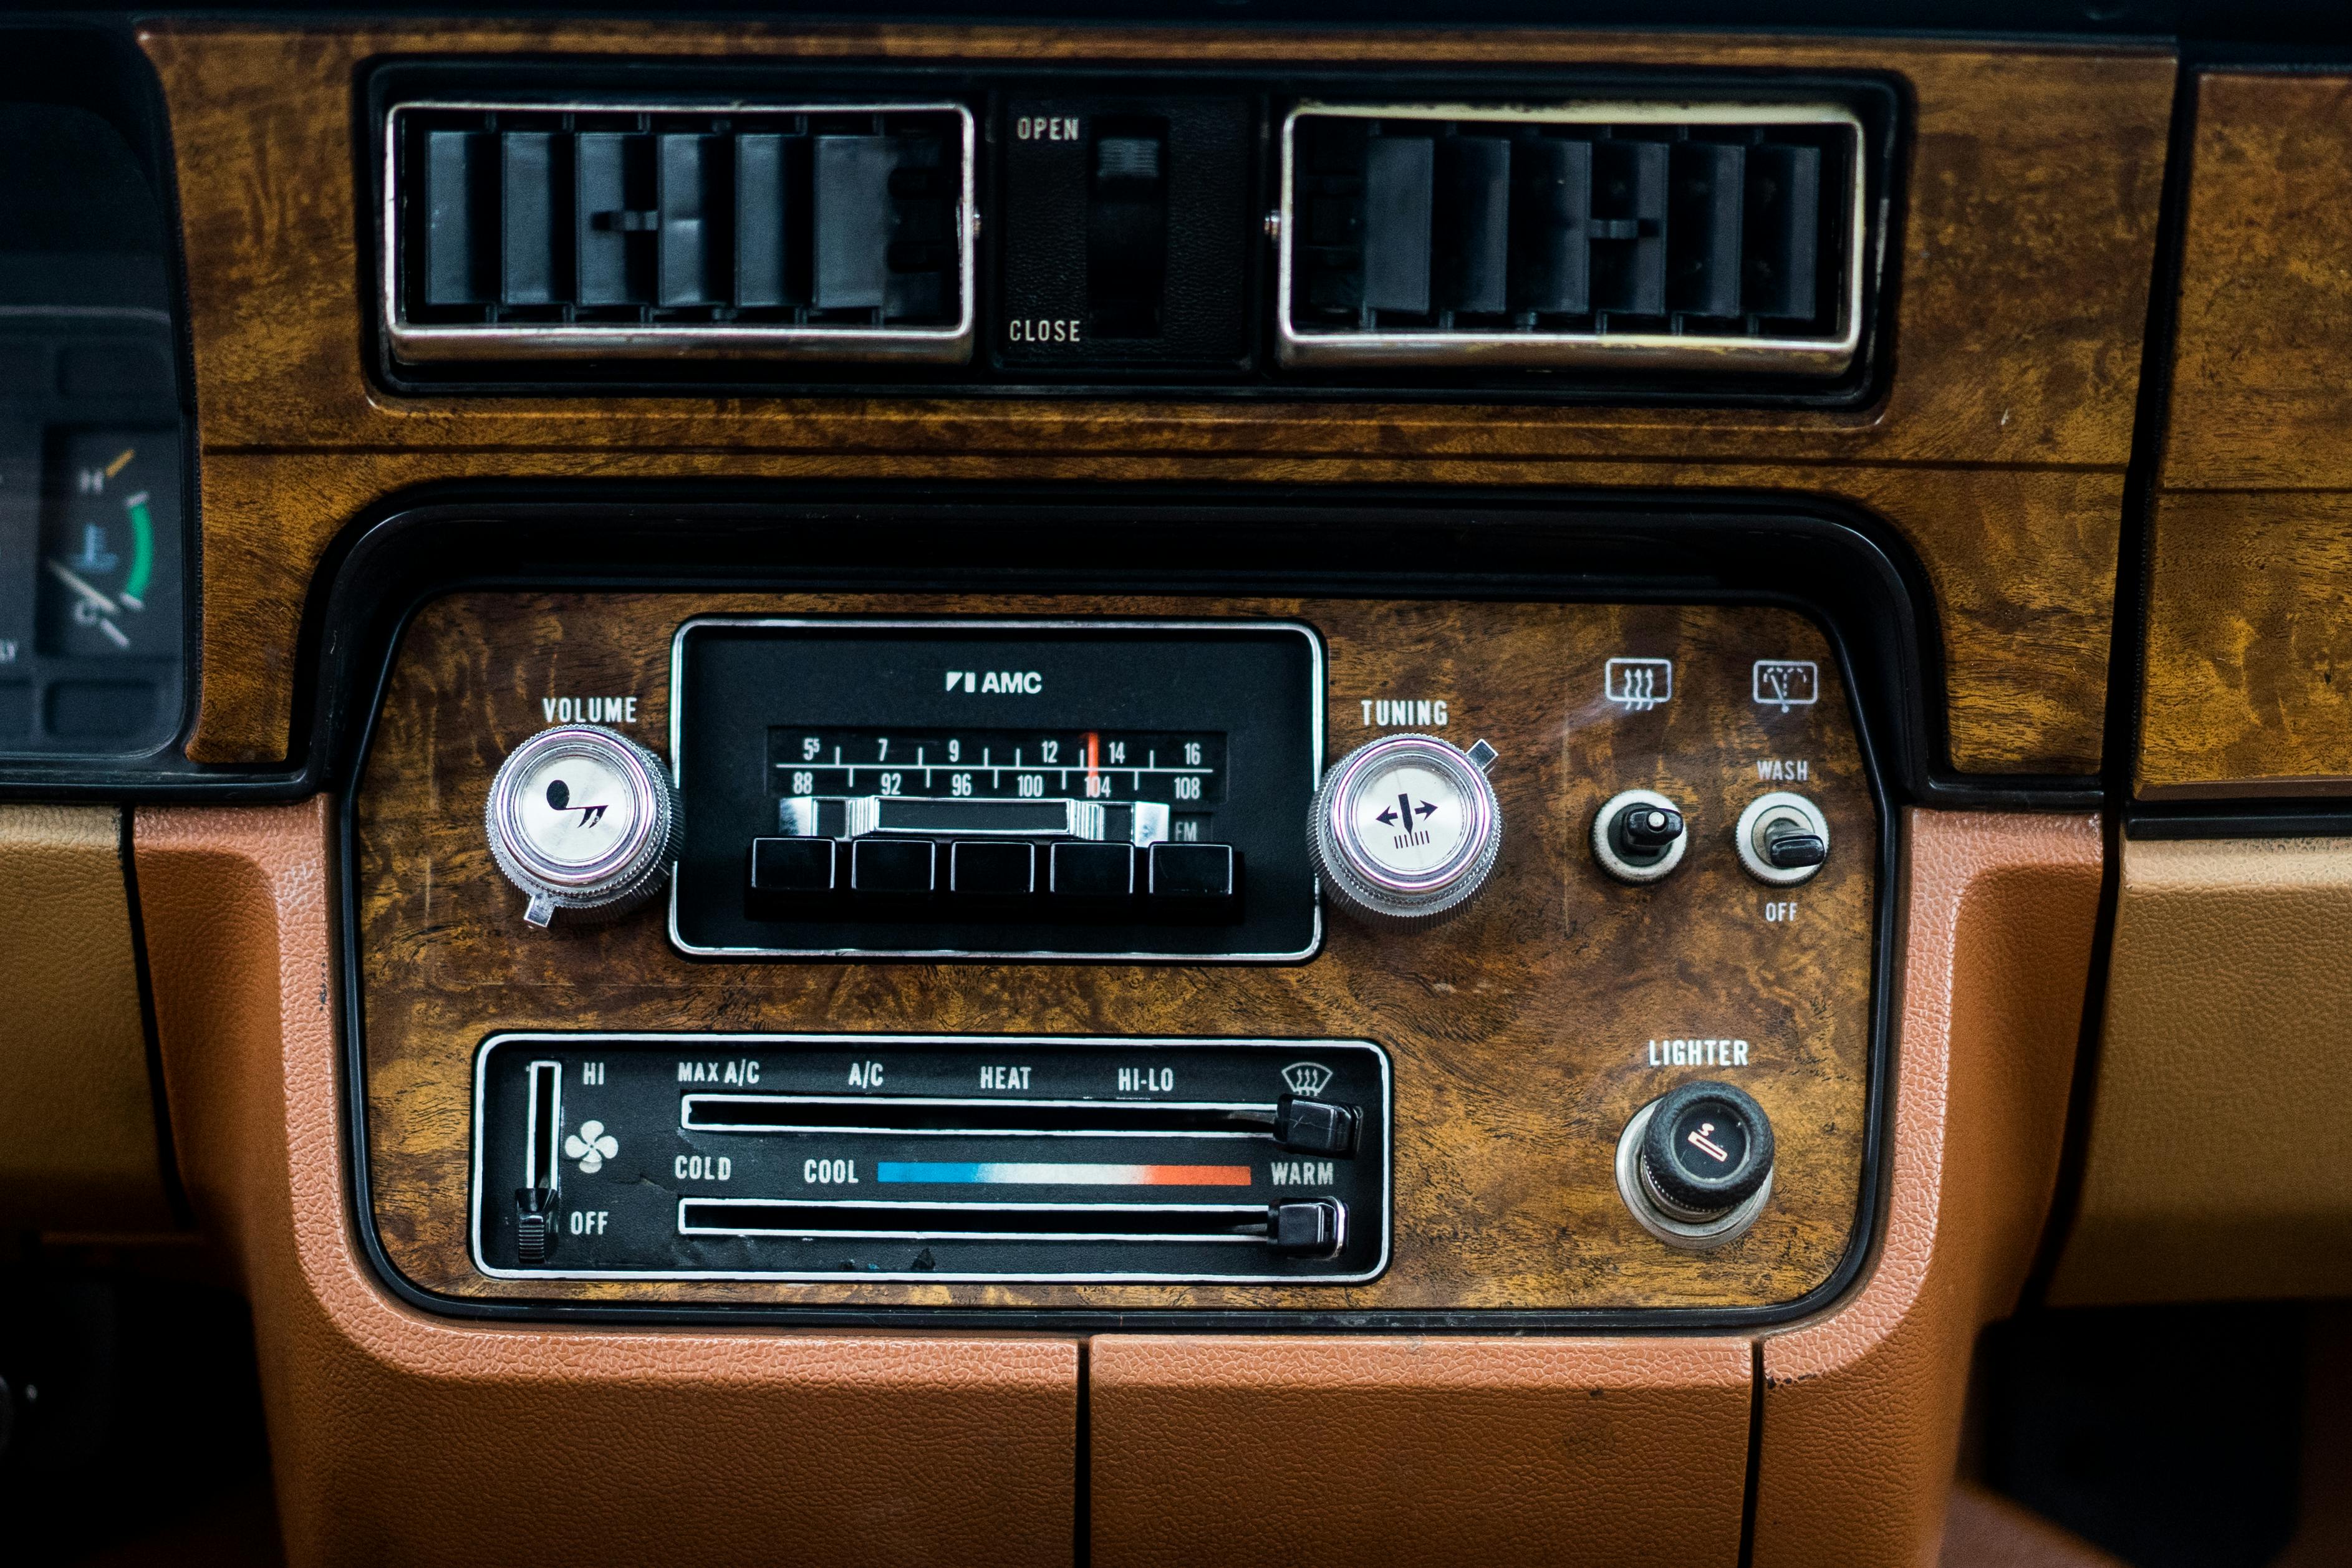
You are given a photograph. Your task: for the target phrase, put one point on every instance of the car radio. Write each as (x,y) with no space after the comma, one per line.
(952,787)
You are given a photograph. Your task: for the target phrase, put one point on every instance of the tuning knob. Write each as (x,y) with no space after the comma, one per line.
(1406,828)
(582,819)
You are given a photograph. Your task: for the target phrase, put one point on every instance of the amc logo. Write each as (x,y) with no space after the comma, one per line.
(997,682)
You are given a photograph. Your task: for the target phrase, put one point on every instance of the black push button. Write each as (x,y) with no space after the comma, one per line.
(892,868)
(1195,873)
(1091,871)
(794,868)
(1310,1229)
(1706,1150)
(1314,1126)
(996,868)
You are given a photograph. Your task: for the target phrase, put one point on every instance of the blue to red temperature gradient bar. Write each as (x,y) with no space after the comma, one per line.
(944,1173)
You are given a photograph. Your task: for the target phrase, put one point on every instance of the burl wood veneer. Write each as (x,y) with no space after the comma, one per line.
(2249,644)
(1520,1031)
(2024,233)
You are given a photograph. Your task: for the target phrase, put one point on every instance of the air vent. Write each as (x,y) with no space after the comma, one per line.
(793,230)
(1672,236)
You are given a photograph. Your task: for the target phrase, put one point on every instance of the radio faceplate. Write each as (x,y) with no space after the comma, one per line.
(957,787)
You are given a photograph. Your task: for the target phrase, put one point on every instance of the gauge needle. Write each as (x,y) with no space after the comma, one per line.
(107,608)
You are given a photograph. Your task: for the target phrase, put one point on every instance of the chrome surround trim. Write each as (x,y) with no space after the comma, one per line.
(950,1042)
(429,343)
(1264,1108)
(978,622)
(1240,1211)
(1819,356)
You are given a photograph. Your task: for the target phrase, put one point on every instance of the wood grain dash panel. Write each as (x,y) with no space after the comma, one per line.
(1519,1031)
(2031,182)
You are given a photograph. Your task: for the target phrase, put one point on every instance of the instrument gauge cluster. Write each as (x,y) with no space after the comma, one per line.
(93,537)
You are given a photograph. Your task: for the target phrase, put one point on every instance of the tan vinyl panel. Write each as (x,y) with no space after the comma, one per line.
(1860,1417)
(2220,1142)
(399,1437)
(78,1143)
(1556,1451)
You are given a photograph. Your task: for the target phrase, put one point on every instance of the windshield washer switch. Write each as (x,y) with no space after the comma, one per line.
(1314,1126)
(1782,839)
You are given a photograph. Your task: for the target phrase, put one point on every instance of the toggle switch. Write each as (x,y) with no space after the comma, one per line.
(1782,839)
(1639,835)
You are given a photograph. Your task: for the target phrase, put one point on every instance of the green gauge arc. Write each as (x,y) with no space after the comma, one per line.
(142,548)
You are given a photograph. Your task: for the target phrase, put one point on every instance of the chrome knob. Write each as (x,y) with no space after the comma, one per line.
(1406,828)
(582,819)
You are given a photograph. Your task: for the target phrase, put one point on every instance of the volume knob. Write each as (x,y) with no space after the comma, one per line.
(582,819)
(1406,828)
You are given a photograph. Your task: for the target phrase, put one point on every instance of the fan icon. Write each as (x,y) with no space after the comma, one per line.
(592,1147)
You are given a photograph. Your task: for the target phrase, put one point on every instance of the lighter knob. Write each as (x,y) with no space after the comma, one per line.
(584,821)
(1406,828)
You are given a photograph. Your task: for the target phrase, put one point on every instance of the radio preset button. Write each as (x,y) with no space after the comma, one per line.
(893,868)
(785,870)
(993,869)
(1090,871)
(1202,877)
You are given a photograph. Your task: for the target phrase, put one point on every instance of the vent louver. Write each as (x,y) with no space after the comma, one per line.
(834,232)
(1673,235)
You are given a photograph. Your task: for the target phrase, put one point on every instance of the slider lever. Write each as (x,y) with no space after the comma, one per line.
(1315,1229)
(1314,1126)
(535,1210)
